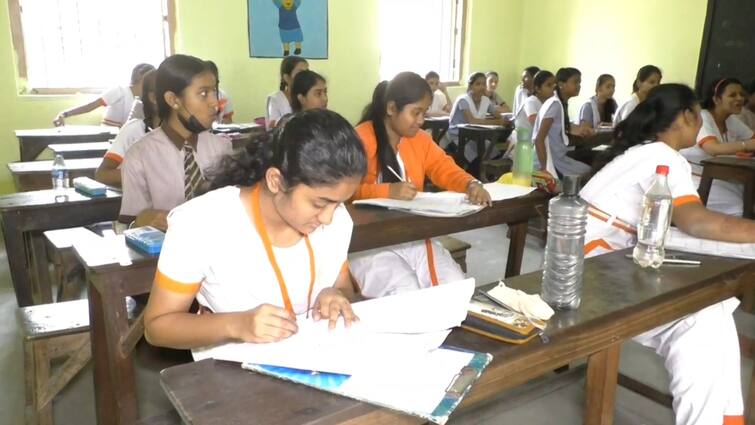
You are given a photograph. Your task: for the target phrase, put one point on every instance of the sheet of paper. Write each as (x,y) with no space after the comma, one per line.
(64,238)
(680,241)
(98,251)
(500,191)
(441,204)
(485,126)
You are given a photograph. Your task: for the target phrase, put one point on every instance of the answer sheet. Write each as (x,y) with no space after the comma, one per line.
(680,241)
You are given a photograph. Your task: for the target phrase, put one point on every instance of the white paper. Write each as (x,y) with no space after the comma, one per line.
(485,126)
(500,191)
(680,241)
(441,204)
(64,238)
(98,251)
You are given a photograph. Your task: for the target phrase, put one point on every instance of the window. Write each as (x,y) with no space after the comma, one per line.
(64,46)
(421,36)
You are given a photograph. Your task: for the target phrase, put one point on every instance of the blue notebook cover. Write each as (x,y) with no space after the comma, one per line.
(145,239)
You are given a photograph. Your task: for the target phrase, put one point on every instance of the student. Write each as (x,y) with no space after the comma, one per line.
(441,104)
(648,77)
(748,112)
(472,107)
(390,132)
(722,133)
(543,86)
(109,170)
(552,127)
(524,89)
(309,90)
(169,165)
(279,103)
(701,351)
(491,82)
(117,100)
(225,107)
(601,107)
(269,245)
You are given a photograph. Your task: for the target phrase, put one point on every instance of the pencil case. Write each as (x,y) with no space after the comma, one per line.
(145,239)
(89,187)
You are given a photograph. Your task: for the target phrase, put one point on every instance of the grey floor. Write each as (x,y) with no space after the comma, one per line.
(536,403)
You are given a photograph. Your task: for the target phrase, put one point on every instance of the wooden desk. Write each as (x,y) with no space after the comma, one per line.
(113,339)
(26,215)
(438,126)
(240,134)
(479,135)
(80,150)
(732,168)
(35,175)
(32,142)
(620,301)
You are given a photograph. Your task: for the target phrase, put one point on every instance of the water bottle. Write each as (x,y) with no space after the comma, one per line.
(59,176)
(654,222)
(524,155)
(564,250)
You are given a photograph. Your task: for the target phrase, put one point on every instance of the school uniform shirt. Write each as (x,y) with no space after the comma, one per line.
(225,106)
(748,118)
(725,197)
(212,249)
(118,101)
(625,109)
(520,95)
(439,102)
(132,132)
(557,142)
(277,107)
(589,113)
(153,170)
(529,108)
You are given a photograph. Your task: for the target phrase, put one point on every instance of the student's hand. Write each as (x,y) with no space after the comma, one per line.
(403,191)
(332,304)
(155,218)
(265,323)
(59,120)
(477,194)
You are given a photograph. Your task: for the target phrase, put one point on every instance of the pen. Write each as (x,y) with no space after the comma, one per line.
(675,260)
(397,174)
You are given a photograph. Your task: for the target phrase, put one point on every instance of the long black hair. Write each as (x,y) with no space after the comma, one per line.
(655,115)
(287,67)
(717,89)
(562,76)
(540,78)
(175,74)
(148,86)
(610,107)
(643,74)
(138,72)
(405,88)
(314,148)
(302,84)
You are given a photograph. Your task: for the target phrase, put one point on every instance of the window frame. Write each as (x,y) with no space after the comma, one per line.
(17,38)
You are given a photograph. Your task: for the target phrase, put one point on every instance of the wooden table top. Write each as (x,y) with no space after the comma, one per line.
(35,167)
(63,148)
(47,198)
(732,161)
(67,131)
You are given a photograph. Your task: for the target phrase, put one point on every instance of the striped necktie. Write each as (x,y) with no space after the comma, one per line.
(192,174)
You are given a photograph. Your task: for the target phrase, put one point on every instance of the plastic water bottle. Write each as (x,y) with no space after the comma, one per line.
(564,250)
(523,157)
(59,176)
(654,222)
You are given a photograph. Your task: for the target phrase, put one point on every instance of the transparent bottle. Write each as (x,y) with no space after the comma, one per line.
(564,250)
(524,155)
(59,176)
(654,222)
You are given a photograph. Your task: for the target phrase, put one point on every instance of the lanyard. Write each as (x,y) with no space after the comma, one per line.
(271,255)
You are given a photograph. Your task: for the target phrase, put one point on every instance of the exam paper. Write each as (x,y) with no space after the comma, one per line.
(500,191)
(441,204)
(680,241)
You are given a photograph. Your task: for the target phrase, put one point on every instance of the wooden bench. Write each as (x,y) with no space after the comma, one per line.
(53,331)
(80,150)
(35,175)
(458,250)
(68,274)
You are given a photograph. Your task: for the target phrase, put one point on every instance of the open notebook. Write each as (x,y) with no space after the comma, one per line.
(680,241)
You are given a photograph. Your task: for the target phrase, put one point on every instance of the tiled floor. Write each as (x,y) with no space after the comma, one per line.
(561,403)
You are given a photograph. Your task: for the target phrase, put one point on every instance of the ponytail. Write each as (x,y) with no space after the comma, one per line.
(148,87)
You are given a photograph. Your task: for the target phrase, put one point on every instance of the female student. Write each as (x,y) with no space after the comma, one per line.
(441,104)
(279,214)
(524,89)
(109,170)
(309,90)
(279,103)
(117,100)
(168,166)
(472,107)
(748,111)
(225,107)
(552,127)
(399,156)
(722,133)
(601,107)
(543,86)
(701,351)
(648,77)
(491,83)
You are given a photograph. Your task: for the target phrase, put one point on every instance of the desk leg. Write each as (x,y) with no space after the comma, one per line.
(114,383)
(16,251)
(602,372)
(748,197)
(518,235)
(461,161)
(40,269)
(705,182)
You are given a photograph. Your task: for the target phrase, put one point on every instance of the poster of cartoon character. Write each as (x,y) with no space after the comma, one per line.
(279,28)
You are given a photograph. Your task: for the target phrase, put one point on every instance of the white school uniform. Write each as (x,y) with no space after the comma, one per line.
(556,141)
(700,351)
(133,131)
(748,118)
(724,196)
(530,107)
(277,107)
(589,113)
(464,102)
(439,102)
(213,249)
(520,95)
(118,102)
(625,109)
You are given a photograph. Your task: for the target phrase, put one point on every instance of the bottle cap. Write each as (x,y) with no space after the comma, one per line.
(662,169)
(570,185)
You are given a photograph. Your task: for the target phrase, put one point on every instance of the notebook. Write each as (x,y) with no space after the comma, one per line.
(680,241)
(440,204)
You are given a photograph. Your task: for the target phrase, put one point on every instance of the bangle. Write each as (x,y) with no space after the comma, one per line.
(474,181)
